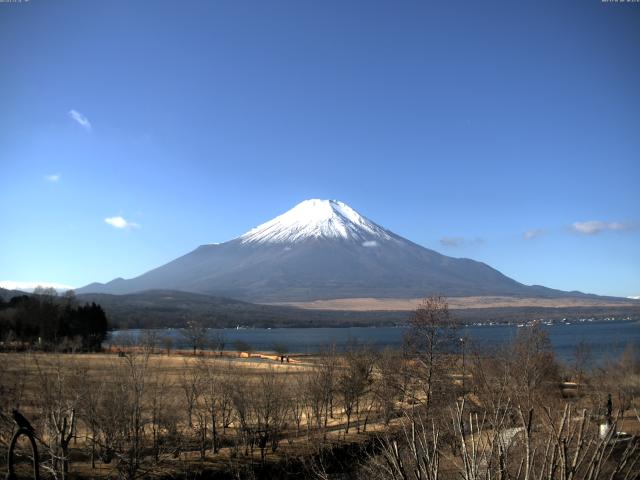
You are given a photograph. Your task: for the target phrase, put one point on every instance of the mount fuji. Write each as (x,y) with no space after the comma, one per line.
(322,249)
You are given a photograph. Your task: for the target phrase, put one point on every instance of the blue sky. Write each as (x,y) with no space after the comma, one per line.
(459,125)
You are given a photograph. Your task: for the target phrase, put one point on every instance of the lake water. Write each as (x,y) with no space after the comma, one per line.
(607,339)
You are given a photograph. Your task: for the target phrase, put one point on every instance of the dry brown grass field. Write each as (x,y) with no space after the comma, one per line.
(180,382)
(140,412)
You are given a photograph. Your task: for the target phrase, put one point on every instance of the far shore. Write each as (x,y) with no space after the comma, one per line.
(457,303)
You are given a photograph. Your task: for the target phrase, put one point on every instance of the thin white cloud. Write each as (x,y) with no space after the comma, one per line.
(30,286)
(593,227)
(80,119)
(370,244)
(53,177)
(461,241)
(534,233)
(634,297)
(120,222)
(451,241)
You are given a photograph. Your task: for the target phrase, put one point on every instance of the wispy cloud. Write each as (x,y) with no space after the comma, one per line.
(80,119)
(370,244)
(534,233)
(30,286)
(53,177)
(120,222)
(460,241)
(451,241)
(593,227)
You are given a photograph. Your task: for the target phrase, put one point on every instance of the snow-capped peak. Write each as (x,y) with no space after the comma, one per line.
(317,219)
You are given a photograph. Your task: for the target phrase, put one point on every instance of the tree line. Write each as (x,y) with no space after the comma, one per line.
(45,320)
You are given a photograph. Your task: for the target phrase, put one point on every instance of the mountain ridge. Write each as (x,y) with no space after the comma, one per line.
(322,249)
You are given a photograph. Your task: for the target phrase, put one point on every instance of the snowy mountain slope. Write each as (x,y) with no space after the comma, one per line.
(322,249)
(314,219)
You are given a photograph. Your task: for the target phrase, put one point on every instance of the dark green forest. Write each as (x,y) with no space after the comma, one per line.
(46,321)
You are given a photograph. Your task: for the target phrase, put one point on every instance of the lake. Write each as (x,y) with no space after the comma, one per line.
(607,339)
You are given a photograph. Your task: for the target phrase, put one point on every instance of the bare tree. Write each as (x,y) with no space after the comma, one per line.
(12,394)
(167,343)
(414,456)
(227,388)
(93,392)
(148,340)
(195,334)
(431,337)
(354,382)
(161,410)
(582,359)
(532,367)
(60,401)
(243,399)
(321,387)
(190,384)
(270,409)
(629,378)
(202,412)
(47,293)
(388,383)
(131,420)
(560,446)
(217,342)
(298,400)
(214,398)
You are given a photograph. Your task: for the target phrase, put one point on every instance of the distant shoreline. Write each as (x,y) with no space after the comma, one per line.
(455,303)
